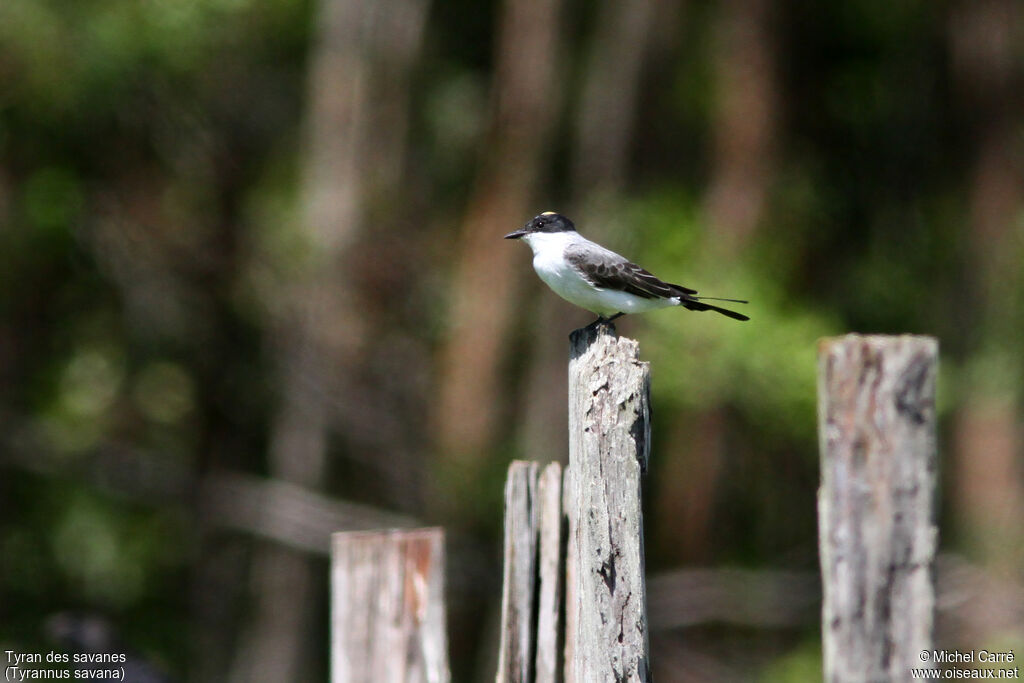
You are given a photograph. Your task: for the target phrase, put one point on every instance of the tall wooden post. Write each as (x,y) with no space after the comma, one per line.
(387,607)
(609,433)
(876,504)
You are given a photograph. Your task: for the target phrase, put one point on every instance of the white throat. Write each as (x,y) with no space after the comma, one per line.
(552,241)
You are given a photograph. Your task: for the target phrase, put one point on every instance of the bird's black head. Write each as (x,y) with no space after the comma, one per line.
(549,221)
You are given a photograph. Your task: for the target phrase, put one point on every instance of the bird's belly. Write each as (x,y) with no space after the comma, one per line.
(567,283)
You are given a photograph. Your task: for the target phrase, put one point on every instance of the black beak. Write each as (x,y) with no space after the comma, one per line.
(516,235)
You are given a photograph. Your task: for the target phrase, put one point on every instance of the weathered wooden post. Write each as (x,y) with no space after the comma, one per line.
(609,435)
(605,631)
(532,575)
(387,607)
(518,625)
(876,504)
(551,572)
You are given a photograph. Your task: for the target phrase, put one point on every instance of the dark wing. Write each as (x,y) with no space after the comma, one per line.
(606,269)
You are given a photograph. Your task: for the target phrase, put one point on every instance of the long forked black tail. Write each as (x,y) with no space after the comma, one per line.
(695,305)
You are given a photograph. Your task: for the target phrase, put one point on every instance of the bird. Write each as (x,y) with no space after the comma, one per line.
(595,278)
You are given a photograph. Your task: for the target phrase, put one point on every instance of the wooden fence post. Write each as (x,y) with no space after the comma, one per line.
(518,626)
(876,504)
(532,576)
(609,435)
(550,571)
(387,606)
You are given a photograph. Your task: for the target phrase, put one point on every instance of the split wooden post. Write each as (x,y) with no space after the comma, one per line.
(609,436)
(550,572)
(515,653)
(876,504)
(387,606)
(532,576)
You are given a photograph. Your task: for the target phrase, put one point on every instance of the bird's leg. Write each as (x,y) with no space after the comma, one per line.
(601,320)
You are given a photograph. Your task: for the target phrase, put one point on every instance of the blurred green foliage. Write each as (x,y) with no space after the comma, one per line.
(148,191)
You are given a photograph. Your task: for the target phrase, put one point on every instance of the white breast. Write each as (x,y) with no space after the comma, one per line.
(551,266)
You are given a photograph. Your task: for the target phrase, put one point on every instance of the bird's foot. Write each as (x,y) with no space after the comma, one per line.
(589,334)
(603,322)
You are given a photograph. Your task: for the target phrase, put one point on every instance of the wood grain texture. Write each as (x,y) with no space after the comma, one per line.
(387,607)
(519,579)
(876,504)
(550,569)
(571,574)
(609,433)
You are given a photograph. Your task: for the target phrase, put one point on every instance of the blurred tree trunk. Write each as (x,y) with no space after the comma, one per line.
(603,134)
(384,266)
(746,95)
(317,329)
(989,490)
(525,99)
(608,102)
(688,487)
(742,159)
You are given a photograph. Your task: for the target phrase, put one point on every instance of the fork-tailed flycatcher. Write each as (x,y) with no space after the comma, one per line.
(597,279)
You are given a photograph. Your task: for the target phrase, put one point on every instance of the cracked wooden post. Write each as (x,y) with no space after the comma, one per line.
(387,606)
(876,504)
(519,578)
(532,576)
(551,574)
(609,433)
